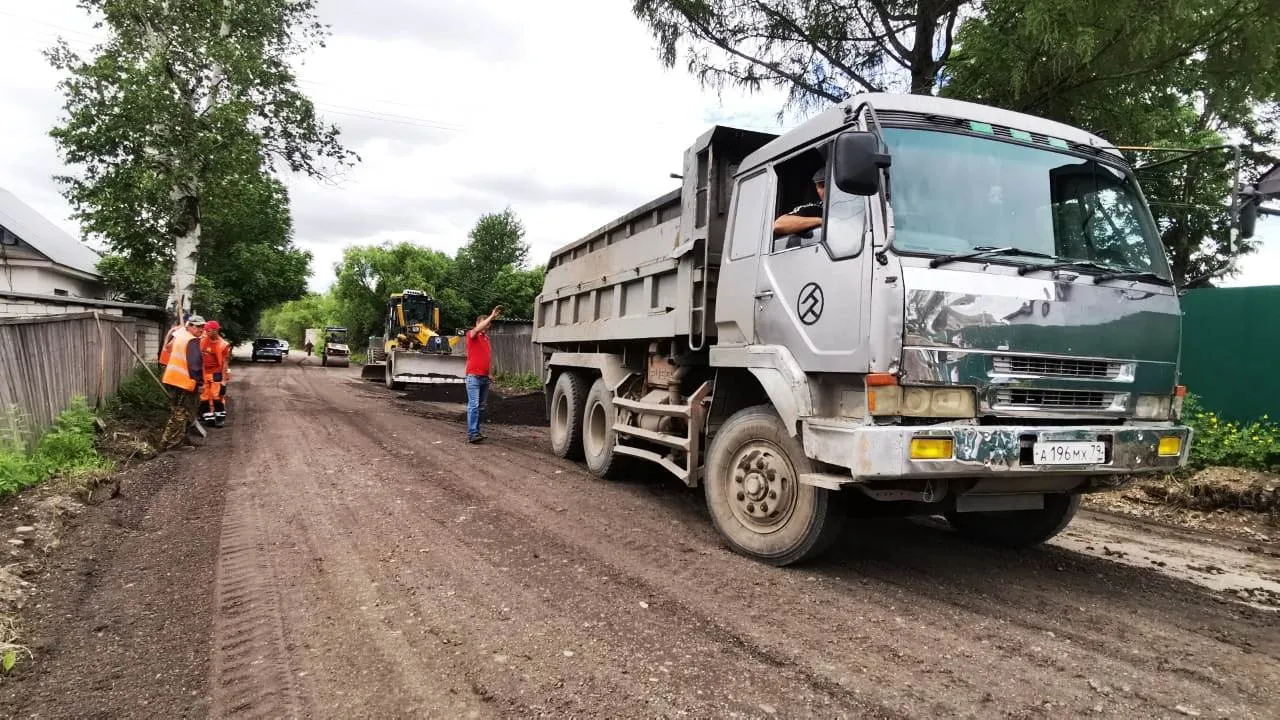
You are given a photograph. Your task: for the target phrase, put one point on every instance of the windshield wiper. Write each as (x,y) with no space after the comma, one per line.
(981,252)
(1131,275)
(1060,265)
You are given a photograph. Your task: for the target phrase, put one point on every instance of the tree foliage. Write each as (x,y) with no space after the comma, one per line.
(819,51)
(187,104)
(488,270)
(1165,73)
(249,263)
(291,319)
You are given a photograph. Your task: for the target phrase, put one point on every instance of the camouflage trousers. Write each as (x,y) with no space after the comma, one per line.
(182,415)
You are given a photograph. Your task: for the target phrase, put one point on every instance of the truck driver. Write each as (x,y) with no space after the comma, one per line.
(806,217)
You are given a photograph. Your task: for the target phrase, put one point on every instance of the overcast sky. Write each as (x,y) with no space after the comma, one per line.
(557,108)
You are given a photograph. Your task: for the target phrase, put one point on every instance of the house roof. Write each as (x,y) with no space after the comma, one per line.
(85,302)
(48,239)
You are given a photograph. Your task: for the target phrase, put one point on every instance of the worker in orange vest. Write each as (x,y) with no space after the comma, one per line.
(168,339)
(216,356)
(183,376)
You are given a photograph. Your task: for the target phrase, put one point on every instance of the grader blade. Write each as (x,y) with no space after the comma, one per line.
(374,371)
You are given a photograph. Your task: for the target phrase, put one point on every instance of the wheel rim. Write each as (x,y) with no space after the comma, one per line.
(594,436)
(762,487)
(560,418)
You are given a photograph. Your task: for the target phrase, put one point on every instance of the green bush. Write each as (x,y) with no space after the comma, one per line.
(66,449)
(139,397)
(523,382)
(1217,442)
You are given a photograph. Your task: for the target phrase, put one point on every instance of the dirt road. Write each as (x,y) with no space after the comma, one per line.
(339,551)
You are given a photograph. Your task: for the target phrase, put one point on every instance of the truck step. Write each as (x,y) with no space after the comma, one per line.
(654,457)
(652,408)
(678,443)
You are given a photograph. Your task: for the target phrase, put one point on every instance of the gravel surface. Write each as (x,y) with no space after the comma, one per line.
(329,554)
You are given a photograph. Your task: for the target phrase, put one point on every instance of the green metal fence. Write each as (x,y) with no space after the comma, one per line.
(1231,350)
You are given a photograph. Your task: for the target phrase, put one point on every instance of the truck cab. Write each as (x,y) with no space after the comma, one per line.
(986,311)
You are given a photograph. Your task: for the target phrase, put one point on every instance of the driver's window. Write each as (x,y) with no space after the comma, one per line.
(797,222)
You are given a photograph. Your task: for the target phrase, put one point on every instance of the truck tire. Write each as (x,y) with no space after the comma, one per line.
(597,431)
(1018,528)
(391,373)
(755,496)
(567,401)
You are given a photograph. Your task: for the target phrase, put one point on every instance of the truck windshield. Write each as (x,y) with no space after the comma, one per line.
(957,193)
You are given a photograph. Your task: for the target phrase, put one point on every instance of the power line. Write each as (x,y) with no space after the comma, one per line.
(386,117)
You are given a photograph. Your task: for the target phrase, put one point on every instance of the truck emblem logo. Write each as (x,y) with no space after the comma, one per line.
(809,304)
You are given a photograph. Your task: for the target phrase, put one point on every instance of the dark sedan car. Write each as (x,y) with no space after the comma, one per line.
(268,349)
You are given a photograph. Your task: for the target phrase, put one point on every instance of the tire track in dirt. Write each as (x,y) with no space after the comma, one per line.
(1086,651)
(661,639)
(251,670)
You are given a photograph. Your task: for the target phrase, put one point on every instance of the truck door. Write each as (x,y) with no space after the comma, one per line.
(813,293)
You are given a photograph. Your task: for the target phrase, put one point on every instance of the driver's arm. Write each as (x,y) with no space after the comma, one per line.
(795,224)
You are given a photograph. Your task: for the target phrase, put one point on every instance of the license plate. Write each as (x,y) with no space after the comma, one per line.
(1069,453)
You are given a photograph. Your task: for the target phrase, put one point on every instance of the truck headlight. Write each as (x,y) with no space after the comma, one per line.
(1153,407)
(909,401)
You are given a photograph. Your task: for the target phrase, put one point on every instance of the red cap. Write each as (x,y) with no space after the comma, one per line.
(212,326)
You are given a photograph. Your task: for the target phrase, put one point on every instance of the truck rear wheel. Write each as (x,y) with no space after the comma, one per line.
(1018,528)
(597,430)
(755,496)
(567,401)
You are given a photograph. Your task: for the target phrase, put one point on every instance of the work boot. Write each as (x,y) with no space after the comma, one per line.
(219,419)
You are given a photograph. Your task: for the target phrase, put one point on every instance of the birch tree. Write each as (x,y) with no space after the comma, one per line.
(184,96)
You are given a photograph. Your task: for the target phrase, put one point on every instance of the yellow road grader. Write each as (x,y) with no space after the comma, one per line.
(411,349)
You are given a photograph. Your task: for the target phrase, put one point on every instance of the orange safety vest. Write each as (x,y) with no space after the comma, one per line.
(165,344)
(176,371)
(215,355)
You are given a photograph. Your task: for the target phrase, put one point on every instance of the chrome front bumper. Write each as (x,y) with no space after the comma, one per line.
(884,452)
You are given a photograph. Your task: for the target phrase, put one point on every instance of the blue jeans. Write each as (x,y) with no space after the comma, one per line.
(477,393)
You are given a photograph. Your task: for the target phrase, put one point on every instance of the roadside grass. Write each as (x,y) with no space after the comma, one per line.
(518,383)
(359,358)
(67,449)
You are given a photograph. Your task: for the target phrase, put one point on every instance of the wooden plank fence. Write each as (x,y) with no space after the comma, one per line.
(47,361)
(513,353)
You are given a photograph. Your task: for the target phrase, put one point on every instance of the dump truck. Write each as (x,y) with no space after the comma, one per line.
(334,350)
(982,326)
(412,349)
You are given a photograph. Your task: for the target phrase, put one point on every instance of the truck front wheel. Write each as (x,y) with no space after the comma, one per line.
(755,496)
(567,401)
(1018,528)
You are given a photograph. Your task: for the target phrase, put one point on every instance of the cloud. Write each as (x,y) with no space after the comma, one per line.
(447,24)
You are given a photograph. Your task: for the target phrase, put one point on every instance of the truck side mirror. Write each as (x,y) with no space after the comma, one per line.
(857,162)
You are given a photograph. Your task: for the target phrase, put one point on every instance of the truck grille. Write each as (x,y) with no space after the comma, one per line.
(1055,367)
(1056,399)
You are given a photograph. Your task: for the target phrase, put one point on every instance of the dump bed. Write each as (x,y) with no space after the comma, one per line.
(650,274)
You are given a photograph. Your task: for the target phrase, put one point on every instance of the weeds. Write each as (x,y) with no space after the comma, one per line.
(65,449)
(519,382)
(1253,445)
(139,398)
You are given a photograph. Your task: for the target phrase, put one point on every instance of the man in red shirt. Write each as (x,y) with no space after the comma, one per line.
(478,364)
